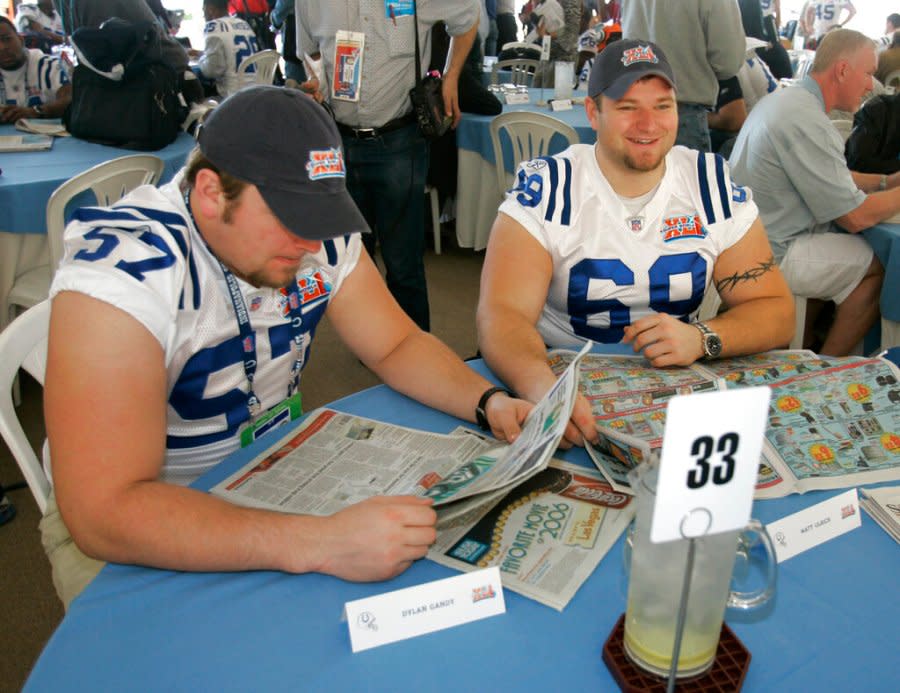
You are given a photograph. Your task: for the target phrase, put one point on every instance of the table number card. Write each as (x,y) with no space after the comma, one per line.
(710,458)
(413,611)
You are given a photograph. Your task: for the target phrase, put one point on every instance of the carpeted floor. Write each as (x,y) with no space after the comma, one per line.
(30,608)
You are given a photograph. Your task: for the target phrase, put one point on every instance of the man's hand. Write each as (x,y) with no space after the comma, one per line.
(378,538)
(450,92)
(506,415)
(581,425)
(12,113)
(664,340)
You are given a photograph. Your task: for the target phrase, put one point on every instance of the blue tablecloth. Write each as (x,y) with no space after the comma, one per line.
(29,178)
(832,626)
(885,241)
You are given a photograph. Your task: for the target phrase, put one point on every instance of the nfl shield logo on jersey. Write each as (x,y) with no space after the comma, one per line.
(636,224)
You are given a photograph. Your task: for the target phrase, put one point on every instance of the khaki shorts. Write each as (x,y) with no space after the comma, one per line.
(826,265)
(71,569)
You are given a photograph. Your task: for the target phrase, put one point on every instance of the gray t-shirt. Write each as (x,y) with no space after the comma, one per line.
(792,157)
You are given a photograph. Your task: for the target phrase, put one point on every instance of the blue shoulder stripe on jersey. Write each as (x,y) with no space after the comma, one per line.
(567,193)
(554,183)
(704,189)
(724,195)
(331,252)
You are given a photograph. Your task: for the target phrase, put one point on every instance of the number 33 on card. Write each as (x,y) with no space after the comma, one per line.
(709,464)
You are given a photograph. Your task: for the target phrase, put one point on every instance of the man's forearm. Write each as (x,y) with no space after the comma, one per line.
(459,50)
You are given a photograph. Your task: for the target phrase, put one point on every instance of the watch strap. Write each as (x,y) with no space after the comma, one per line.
(480,413)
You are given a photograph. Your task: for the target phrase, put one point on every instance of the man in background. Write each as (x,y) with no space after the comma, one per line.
(42,21)
(228,41)
(32,84)
(792,157)
(704,40)
(369,67)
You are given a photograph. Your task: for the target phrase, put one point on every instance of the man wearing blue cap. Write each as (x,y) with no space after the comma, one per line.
(181,315)
(617,242)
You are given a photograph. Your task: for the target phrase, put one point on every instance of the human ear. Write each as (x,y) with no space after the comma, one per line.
(208,197)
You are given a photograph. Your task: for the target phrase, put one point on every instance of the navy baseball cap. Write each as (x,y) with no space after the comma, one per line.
(288,146)
(622,63)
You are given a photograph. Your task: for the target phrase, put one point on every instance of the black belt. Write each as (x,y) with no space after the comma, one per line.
(372,133)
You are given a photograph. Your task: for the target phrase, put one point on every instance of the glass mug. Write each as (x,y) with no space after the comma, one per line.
(563,79)
(655,581)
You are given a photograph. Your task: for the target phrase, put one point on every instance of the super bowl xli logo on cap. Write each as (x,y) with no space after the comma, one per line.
(326,163)
(639,54)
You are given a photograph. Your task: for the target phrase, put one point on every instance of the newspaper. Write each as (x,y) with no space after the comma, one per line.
(833,422)
(25,143)
(883,505)
(546,535)
(334,460)
(45,126)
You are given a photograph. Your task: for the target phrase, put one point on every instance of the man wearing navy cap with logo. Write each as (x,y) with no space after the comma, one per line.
(618,241)
(183,314)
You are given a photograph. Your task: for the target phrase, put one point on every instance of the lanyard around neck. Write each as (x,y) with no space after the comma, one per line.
(248,335)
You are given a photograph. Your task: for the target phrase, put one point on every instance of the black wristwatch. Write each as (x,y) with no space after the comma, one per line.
(480,413)
(712,343)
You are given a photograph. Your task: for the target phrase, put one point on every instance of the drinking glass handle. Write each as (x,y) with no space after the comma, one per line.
(750,600)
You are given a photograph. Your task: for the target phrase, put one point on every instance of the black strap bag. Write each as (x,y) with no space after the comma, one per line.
(427,98)
(119,96)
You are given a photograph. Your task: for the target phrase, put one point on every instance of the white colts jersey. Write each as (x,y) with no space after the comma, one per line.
(228,41)
(144,256)
(826,15)
(611,267)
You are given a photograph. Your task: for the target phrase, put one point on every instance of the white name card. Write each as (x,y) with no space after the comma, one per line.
(710,457)
(561,105)
(817,524)
(518,97)
(413,611)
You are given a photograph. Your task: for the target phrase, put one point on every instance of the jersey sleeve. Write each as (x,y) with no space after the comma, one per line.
(541,194)
(128,260)
(214,61)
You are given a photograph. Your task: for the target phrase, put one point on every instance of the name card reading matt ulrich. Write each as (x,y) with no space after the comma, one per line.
(413,611)
(817,524)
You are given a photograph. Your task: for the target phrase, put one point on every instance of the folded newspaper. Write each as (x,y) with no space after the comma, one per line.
(334,460)
(883,505)
(833,422)
(546,535)
(44,126)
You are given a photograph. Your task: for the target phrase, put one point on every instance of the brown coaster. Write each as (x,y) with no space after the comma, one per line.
(727,672)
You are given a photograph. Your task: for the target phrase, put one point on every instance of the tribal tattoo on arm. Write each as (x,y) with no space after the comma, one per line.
(752,274)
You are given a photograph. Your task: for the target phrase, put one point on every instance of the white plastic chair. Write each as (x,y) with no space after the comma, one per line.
(258,68)
(23,344)
(530,135)
(109,181)
(521,70)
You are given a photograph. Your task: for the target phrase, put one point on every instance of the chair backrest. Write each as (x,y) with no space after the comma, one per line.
(521,70)
(23,344)
(893,81)
(258,68)
(801,62)
(530,136)
(109,182)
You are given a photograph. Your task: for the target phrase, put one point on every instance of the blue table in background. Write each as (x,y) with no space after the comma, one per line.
(832,626)
(885,241)
(477,196)
(28,180)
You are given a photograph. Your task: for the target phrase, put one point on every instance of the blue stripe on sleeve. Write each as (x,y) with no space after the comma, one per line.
(724,196)
(567,193)
(704,189)
(554,183)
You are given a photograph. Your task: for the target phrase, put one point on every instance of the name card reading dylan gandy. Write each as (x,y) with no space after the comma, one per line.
(413,611)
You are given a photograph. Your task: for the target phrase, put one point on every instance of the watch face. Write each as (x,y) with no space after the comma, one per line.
(712,345)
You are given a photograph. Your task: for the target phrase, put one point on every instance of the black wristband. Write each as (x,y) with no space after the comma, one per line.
(480,413)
